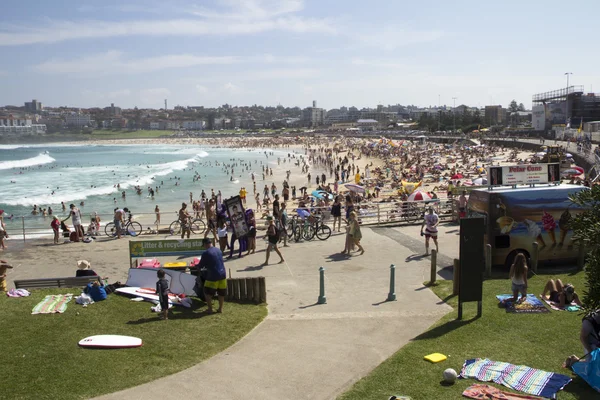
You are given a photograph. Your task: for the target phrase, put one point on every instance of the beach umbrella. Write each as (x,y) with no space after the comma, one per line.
(588,367)
(480,181)
(457,176)
(540,154)
(321,194)
(581,170)
(569,155)
(355,188)
(570,172)
(419,196)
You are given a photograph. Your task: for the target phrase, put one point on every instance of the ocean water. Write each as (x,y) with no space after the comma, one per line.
(46,175)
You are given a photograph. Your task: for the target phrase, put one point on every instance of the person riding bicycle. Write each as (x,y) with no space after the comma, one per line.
(184,221)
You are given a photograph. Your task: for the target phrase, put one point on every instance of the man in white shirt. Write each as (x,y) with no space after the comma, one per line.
(431,220)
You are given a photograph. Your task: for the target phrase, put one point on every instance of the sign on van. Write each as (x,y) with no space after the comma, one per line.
(524,174)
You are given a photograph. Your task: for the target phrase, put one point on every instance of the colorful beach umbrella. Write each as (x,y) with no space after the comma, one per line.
(480,181)
(457,176)
(355,188)
(419,196)
(581,170)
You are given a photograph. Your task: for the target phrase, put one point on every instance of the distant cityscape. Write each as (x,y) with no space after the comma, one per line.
(559,109)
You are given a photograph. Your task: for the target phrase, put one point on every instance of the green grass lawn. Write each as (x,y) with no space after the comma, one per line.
(540,341)
(40,357)
(125,134)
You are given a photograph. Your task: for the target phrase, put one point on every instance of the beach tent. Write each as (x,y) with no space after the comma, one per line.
(589,369)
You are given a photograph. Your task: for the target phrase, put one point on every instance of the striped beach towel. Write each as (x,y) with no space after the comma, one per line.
(51,304)
(517,377)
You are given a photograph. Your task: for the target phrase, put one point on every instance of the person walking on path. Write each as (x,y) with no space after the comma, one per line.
(184,221)
(336,212)
(216,277)
(355,233)
(273,239)
(283,220)
(431,220)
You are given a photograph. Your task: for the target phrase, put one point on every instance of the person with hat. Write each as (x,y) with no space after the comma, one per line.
(84,268)
(216,277)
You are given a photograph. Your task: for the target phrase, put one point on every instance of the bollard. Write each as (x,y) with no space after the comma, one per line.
(433,275)
(456,277)
(322,299)
(488,260)
(581,256)
(534,257)
(392,293)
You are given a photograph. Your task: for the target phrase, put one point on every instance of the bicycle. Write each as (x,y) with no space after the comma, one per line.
(322,231)
(303,230)
(196,226)
(131,228)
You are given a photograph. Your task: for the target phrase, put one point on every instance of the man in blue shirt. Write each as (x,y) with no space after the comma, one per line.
(216,277)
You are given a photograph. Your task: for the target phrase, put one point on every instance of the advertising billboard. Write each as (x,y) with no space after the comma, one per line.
(524,174)
(237,216)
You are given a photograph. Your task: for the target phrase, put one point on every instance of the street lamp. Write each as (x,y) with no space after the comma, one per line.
(567,99)
(454,113)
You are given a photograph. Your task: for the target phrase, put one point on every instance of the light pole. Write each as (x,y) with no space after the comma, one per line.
(567,99)
(454,113)
(439,113)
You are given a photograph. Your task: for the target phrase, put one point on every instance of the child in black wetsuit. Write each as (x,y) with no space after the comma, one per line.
(162,289)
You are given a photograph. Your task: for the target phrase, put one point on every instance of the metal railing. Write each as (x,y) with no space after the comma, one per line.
(369,213)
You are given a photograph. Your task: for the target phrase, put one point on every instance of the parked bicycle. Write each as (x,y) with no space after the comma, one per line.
(196,226)
(131,227)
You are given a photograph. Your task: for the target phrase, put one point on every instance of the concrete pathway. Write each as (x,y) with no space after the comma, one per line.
(312,351)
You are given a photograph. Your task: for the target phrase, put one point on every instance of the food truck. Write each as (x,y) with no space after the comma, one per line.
(516,217)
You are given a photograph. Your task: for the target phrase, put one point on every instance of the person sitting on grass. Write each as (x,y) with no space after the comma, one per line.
(563,295)
(518,276)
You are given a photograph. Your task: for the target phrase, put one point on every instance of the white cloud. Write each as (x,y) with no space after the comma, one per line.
(251,16)
(391,37)
(115,62)
(378,63)
(118,94)
(231,88)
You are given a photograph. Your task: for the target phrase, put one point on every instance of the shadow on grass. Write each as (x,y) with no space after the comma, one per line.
(580,389)
(442,330)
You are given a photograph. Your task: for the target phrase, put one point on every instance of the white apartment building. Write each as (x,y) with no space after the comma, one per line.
(193,125)
(175,125)
(31,129)
(10,121)
(78,120)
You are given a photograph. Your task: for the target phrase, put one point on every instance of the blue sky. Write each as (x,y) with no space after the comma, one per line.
(338,52)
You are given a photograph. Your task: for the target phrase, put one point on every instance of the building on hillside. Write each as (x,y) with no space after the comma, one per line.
(119,123)
(193,125)
(33,106)
(112,110)
(313,116)
(78,120)
(9,125)
(494,115)
(173,125)
(343,126)
(157,125)
(10,120)
(367,124)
